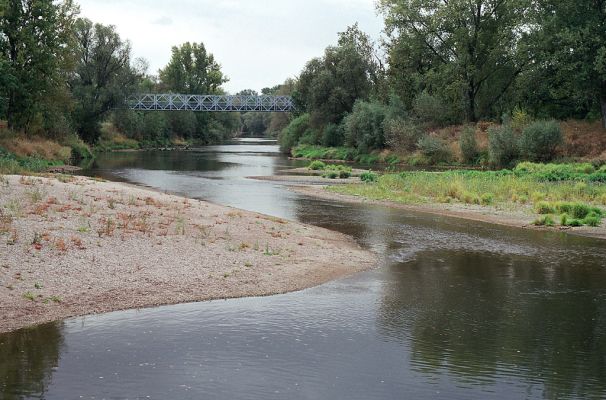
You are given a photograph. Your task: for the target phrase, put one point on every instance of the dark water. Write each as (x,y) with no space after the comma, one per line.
(458,310)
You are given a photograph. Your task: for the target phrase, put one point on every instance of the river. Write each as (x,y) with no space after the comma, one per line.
(456,310)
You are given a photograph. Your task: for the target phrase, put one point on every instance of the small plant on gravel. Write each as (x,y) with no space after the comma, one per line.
(369,177)
(180,226)
(331,175)
(38,285)
(63,178)
(29,296)
(55,299)
(317,166)
(545,220)
(6,223)
(35,195)
(60,245)
(111,203)
(3,181)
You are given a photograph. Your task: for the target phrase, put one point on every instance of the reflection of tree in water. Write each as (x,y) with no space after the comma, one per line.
(27,358)
(480,316)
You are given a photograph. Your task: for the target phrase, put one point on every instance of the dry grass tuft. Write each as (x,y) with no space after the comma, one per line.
(34,147)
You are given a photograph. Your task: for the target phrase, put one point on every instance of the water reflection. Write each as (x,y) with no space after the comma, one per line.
(27,360)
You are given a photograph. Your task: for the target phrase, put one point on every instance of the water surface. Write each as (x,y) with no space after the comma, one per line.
(457,310)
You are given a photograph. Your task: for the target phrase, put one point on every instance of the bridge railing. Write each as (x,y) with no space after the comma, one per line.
(209,103)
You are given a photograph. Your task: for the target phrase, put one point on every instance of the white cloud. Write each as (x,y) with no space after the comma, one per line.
(258,43)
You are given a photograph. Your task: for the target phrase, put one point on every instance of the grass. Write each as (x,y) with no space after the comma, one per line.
(526,187)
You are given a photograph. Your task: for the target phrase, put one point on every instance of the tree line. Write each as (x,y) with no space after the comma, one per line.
(61,74)
(455,62)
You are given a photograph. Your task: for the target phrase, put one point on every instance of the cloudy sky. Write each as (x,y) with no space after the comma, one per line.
(259,43)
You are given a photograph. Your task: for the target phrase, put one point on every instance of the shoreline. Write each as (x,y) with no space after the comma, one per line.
(482,214)
(73,246)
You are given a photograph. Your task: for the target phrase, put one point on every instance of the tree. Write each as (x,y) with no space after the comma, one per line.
(467,52)
(35,45)
(329,86)
(102,78)
(571,58)
(192,70)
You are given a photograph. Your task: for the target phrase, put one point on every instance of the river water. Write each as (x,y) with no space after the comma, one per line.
(457,310)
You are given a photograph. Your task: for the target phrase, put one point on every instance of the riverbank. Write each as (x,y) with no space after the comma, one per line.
(74,246)
(519,218)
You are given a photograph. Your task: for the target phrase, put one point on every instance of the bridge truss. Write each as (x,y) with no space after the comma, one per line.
(209,103)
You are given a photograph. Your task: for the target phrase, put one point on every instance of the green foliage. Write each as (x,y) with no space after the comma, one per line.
(543,207)
(545,220)
(540,140)
(316,165)
(369,177)
(402,134)
(103,76)
(469,145)
(436,150)
(520,119)
(331,174)
(333,135)
(487,199)
(291,135)
(584,172)
(432,111)
(324,153)
(502,146)
(364,126)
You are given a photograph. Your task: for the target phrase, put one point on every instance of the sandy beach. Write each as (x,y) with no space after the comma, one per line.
(73,246)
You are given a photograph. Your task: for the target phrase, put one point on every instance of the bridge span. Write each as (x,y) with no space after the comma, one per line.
(209,103)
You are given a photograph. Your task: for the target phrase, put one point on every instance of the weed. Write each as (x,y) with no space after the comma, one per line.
(543,207)
(63,178)
(84,225)
(545,220)
(6,223)
(38,285)
(180,226)
(592,220)
(60,245)
(107,227)
(55,299)
(248,264)
(132,200)
(487,199)
(369,177)
(29,296)
(111,203)
(35,195)
(317,166)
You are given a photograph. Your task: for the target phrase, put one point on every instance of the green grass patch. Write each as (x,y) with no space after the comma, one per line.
(579,200)
(10,164)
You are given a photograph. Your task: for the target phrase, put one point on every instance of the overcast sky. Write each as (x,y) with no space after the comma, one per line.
(259,43)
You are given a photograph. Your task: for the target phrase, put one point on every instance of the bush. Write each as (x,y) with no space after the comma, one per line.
(333,135)
(502,146)
(469,145)
(545,220)
(290,136)
(543,207)
(331,175)
(369,177)
(364,126)
(317,166)
(344,174)
(402,134)
(540,140)
(436,150)
(520,119)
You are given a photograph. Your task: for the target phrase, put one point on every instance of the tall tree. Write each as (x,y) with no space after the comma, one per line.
(329,86)
(572,53)
(103,75)
(467,51)
(35,45)
(192,70)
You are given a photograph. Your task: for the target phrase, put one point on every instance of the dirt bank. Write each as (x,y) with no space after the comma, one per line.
(80,246)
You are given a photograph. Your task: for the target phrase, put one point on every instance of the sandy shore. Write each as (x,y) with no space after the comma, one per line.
(79,246)
(488,214)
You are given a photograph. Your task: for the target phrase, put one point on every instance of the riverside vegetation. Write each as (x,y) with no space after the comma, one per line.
(564,194)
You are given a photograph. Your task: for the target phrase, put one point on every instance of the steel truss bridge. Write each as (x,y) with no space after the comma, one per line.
(210,103)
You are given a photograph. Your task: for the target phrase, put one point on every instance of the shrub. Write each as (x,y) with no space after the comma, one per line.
(520,119)
(502,146)
(540,140)
(333,135)
(580,210)
(331,174)
(402,134)
(317,165)
(545,220)
(592,220)
(290,136)
(369,177)
(469,145)
(364,126)
(543,207)
(436,150)
(344,174)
